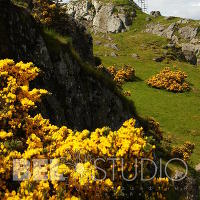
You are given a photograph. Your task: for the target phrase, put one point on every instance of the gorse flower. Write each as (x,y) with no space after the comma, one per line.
(44,11)
(39,139)
(125,73)
(184,151)
(170,80)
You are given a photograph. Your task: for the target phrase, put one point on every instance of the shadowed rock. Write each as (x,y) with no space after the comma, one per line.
(81,97)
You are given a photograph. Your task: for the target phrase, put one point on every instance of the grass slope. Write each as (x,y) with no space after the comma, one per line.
(178,114)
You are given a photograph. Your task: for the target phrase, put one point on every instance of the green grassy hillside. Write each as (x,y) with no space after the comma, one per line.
(178,114)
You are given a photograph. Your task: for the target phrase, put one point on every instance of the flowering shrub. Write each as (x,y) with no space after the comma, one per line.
(121,75)
(44,11)
(184,151)
(126,73)
(25,137)
(169,80)
(127,93)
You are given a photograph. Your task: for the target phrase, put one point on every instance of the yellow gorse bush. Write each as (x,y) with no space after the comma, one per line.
(127,93)
(170,80)
(184,151)
(44,11)
(25,137)
(123,74)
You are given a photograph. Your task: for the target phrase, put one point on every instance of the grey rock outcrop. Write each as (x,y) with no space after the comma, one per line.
(190,51)
(81,9)
(176,35)
(113,54)
(188,32)
(112,46)
(156,29)
(155,13)
(105,21)
(134,55)
(80,99)
(197,168)
(194,41)
(187,186)
(102,17)
(98,43)
(148,19)
(198,61)
(159,59)
(161,30)
(169,31)
(183,21)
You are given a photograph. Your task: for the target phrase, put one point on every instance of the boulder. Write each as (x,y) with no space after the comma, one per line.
(198,64)
(161,30)
(174,39)
(183,21)
(188,32)
(156,29)
(114,46)
(148,19)
(197,167)
(155,13)
(80,10)
(190,57)
(114,24)
(98,43)
(159,59)
(190,51)
(109,38)
(113,54)
(134,55)
(169,31)
(170,45)
(188,187)
(195,41)
(106,21)
(96,4)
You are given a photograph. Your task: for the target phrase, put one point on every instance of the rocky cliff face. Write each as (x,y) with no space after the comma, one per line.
(80,97)
(102,17)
